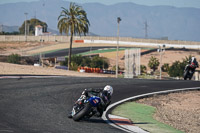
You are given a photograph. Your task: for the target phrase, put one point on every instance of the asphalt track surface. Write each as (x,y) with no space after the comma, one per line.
(41,105)
(64,52)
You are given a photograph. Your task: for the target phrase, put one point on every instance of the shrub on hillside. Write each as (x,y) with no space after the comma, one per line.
(77,59)
(14,58)
(143,68)
(86,61)
(74,66)
(99,62)
(165,67)
(95,62)
(114,68)
(153,63)
(177,68)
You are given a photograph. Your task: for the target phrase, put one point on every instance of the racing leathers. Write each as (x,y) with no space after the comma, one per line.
(193,63)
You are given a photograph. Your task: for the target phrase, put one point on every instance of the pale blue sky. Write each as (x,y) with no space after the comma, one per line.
(176,3)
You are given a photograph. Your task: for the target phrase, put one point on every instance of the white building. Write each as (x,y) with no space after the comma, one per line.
(38,30)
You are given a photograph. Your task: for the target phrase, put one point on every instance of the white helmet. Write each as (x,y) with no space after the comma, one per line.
(193,59)
(109,89)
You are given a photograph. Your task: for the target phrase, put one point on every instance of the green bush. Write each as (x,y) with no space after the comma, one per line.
(99,62)
(74,66)
(153,63)
(74,59)
(114,68)
(165,67)
(78,60)
(86,62)
(177,68)
(174,69)
(143,68)
(14,58)
(63,63)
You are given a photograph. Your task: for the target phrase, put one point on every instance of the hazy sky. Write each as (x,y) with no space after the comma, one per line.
(177,3)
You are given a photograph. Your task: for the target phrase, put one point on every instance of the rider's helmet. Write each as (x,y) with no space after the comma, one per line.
(108,90)
(193,59)
(106,94)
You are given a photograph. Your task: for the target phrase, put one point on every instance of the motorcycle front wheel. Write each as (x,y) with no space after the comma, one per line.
(185,74)
(191,74)
(82,113)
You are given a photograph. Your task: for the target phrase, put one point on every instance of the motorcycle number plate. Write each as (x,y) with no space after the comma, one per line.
(94,101)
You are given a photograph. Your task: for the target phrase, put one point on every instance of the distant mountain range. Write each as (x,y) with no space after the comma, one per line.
(6,28)
(162,21)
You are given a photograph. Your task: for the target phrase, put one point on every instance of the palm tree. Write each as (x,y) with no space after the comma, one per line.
(73,21)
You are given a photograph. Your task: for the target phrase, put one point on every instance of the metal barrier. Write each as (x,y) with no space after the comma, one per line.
(21,38)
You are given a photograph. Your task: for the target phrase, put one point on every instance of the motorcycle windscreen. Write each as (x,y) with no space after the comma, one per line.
(94,101)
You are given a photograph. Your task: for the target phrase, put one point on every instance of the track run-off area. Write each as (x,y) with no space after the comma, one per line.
(41,105)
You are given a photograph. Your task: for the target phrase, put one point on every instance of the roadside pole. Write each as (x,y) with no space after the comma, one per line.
(26,27)
(161,50)
(117,54)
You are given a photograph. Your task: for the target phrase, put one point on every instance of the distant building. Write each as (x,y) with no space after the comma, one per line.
(38,30)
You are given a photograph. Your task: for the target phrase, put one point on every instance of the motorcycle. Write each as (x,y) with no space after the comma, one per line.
(189,71)
(85,108)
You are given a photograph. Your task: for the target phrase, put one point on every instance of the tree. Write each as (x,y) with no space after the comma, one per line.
(177,68)
(153,63)
(73,21)
(31,26)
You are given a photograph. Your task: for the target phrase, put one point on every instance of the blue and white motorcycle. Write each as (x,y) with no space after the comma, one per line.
(85,108)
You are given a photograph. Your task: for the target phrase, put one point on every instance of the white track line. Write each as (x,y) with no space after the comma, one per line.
(143,44)
(137,97)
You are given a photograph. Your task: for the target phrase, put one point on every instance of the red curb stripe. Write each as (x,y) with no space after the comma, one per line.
(79,41)
(122,121)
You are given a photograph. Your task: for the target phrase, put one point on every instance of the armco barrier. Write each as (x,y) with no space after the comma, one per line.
(58,38)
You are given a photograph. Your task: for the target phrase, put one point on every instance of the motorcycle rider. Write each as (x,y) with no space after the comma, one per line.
(104,93)
(193,62)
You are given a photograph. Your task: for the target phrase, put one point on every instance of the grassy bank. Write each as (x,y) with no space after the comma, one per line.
(142,116)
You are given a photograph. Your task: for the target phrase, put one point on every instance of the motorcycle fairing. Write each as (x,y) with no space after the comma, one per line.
(94,101)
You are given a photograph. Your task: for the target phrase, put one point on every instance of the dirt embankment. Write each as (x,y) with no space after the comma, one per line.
(14,69)
(180,110)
